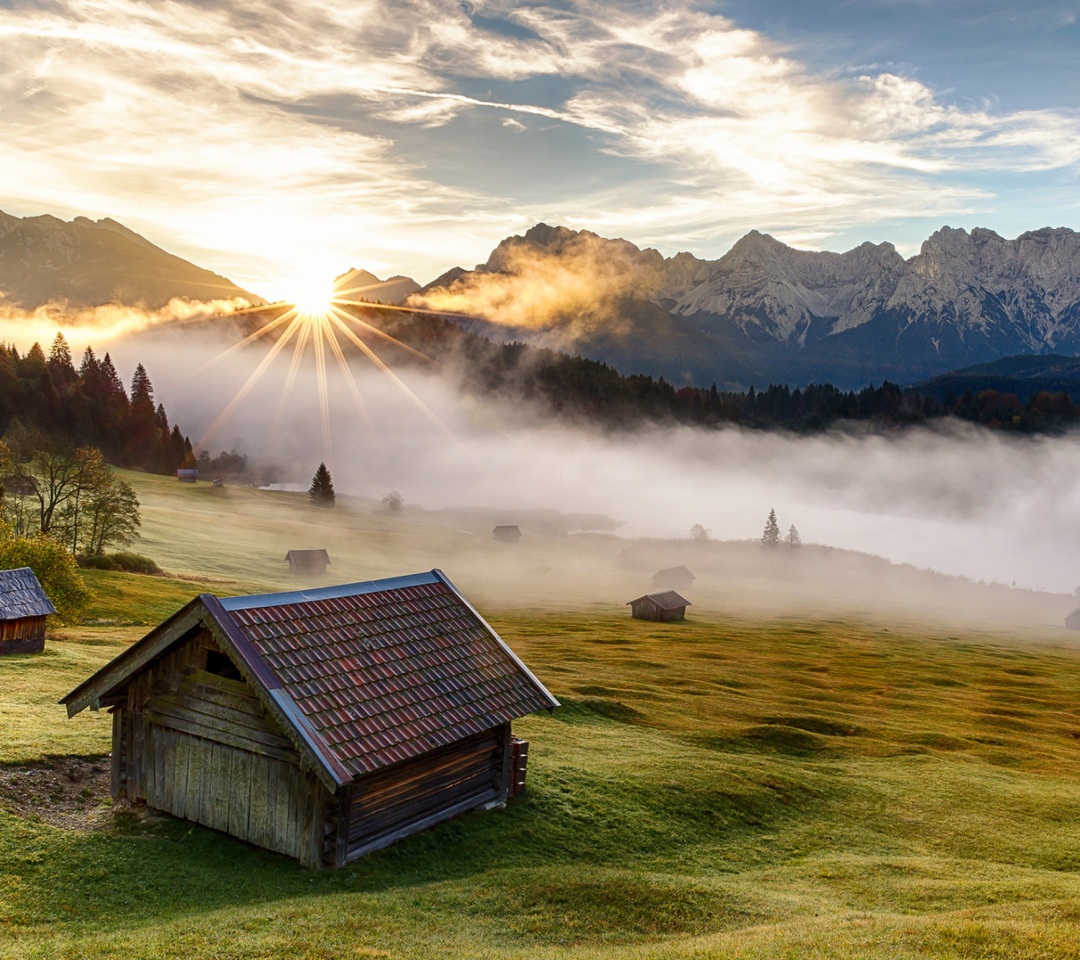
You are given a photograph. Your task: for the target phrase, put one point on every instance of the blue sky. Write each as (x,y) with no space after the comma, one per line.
(277,141)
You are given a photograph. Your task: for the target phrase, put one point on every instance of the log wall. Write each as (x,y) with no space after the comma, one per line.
(389,804)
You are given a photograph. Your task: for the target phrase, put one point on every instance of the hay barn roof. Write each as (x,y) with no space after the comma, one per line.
(668,573)
(21,595)
(366,674)
(308,556)
(668,600)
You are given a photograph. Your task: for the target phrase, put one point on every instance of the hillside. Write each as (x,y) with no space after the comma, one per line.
(1021,376)
(85,263)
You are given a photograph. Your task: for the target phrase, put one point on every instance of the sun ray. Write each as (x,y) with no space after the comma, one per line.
(375,359)
(245,389)
(287,387)
(264,329)
(350,380)
(381,333)
(318,323)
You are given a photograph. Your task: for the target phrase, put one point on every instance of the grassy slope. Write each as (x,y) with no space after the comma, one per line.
(718,788)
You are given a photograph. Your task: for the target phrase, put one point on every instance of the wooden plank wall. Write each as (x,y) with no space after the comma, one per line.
(202,747)
(392,803)
(22,636)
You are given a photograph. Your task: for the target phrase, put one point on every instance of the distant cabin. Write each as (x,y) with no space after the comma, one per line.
(673,578)
(23,609)
(321,724)
(1072,621)
(187,476)
(659,606)
(308,562)
(507,533)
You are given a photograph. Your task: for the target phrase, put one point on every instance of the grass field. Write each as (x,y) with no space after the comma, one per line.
(724,787)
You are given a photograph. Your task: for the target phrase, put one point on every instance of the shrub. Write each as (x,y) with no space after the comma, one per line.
(56,572)
(125,561)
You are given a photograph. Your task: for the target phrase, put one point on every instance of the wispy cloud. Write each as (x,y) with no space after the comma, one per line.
(266,137)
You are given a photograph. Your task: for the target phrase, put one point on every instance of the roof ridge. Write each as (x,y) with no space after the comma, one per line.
(327,593)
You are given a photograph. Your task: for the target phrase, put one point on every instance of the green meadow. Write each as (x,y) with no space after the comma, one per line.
(841,783)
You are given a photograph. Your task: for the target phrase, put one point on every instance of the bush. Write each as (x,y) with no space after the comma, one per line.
(56,572)
(124,561)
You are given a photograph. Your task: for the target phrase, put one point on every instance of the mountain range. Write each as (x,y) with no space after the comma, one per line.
(764,312)
(768,312)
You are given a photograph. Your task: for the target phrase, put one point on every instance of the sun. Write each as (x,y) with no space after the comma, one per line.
(310,297)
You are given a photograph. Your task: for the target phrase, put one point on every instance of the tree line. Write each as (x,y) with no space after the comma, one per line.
(579,389)
(88,406)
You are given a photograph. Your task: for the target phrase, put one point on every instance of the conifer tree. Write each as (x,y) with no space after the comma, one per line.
(113,383)
(322,493)
(771,537)
(141,389)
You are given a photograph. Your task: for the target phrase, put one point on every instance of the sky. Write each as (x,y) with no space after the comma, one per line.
(279,142)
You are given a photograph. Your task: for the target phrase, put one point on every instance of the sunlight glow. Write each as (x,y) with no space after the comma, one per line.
(316,321)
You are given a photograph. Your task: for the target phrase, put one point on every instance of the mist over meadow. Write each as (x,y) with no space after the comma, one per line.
(958,500)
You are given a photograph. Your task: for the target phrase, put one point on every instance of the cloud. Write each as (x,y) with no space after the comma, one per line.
(264,137)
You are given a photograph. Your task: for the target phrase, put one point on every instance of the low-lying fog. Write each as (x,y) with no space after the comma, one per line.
(963,501)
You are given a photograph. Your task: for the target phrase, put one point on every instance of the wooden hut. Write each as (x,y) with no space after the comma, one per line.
(311,563)
(659,606)
(23,609)
(322,724)
(507,533)
(1072,621)
(673,578)
(184,475)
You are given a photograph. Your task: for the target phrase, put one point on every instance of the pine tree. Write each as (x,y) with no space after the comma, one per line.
(60,355)
(771,537)
(113,383)
(792,538)
(141,389)
(321,493)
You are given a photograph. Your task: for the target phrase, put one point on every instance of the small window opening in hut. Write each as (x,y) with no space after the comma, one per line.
(218,663)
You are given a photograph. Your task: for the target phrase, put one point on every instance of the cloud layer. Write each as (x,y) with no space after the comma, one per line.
(273,139)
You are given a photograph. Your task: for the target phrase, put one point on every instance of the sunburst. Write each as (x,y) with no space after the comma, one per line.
(317,320)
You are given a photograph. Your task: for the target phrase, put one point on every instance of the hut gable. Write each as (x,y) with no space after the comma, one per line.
(310,562)
(659,606)
(1072,621)
(23,609)
(375,709)
(676,578)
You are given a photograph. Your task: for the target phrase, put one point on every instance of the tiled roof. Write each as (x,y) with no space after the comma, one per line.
(387,670)
(21,595)
(668,600)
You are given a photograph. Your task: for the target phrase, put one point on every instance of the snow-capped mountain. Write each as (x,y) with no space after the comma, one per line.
(797,315)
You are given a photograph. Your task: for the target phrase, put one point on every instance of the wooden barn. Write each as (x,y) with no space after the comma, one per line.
(507,533)
(185,475)
(659,606)
(1072,621)
(673,578)
(310,563)
(323,723)
(23,609)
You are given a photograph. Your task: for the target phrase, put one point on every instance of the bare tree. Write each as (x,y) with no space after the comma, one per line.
(792,538)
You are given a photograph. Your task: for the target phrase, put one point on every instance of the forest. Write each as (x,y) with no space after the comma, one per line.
(584,390)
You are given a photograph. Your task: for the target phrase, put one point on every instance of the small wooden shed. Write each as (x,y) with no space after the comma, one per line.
(673,578)
(310,563)
(324,723)
(659,606)
(23,609)
(1072,621)
(184,475)
(507,533)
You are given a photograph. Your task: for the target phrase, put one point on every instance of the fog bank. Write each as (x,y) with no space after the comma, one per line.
(959,500)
